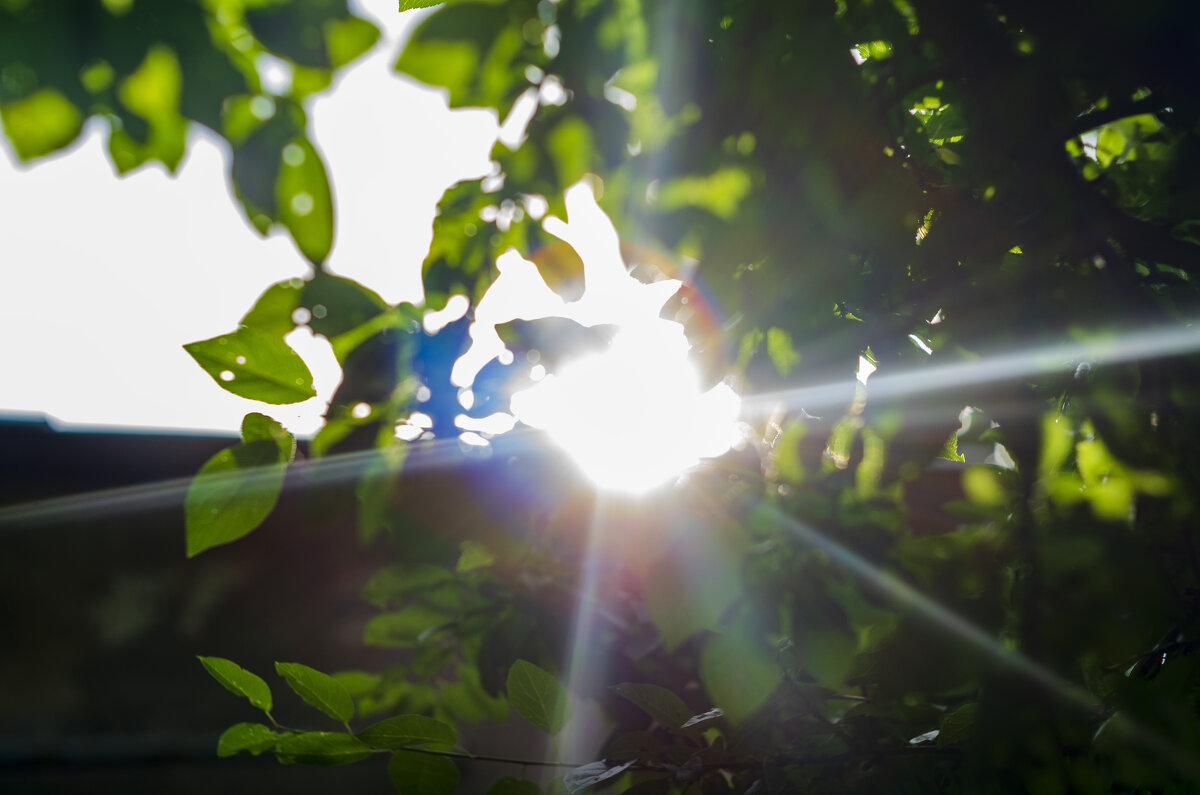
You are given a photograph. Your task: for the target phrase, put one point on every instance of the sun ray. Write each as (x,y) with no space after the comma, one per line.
(1147,343)
(343,467)
(915,603)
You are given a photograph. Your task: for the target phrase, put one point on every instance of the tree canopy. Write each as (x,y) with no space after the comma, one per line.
(972,568)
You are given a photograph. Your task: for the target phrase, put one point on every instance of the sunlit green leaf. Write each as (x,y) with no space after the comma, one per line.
(153,92)
(349,38)
(41,123)
(237,679)
(253,364)
(985,485)
(538,697)
(783,354)
(304,201)
(338,305)
(719,193)
(318,690)
(950,449)
(273,311)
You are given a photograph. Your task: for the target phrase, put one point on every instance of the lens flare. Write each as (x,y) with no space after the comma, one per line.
(634,416)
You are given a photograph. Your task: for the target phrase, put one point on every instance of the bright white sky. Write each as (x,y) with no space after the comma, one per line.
(102,280)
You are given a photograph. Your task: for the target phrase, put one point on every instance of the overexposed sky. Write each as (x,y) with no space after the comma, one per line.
(103,279)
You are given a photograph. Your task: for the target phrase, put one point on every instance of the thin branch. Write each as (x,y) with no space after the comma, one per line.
(482,758)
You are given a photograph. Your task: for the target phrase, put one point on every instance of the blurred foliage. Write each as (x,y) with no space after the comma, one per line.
(852,603)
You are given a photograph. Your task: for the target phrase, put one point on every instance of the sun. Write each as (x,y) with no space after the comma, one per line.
(633,416)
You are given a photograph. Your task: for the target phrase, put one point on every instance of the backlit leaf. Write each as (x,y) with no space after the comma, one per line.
(349,38)
(303,199)
(272,312)
(237,679)
(404,731)
(253,364)
(739,675)
(41,123)
(318,689)
(666,708)
(538,697)
(238,487)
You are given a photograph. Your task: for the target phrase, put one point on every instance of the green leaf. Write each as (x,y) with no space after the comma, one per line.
(467,699)
(321,748)
(237,679)
(259,427)
(404,731)
(827,653)
(581,778)
(41,123)
(514,786)
(414,773)
(254,364)
(273,311)
(781,351)
(719,193)
(950,449)
(153,93)
(708,562)
(986,485)
(399,580)
(538,697)
(238,487)
(739,675)
(318,690)
(339,305)
(304,201)
(409,5)
(474,555)
(958,725)
(252,737)
(403,628)
(468,49)
(666,708)
(349,38)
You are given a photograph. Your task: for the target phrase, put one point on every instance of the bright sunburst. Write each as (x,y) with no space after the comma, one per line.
(633,416)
